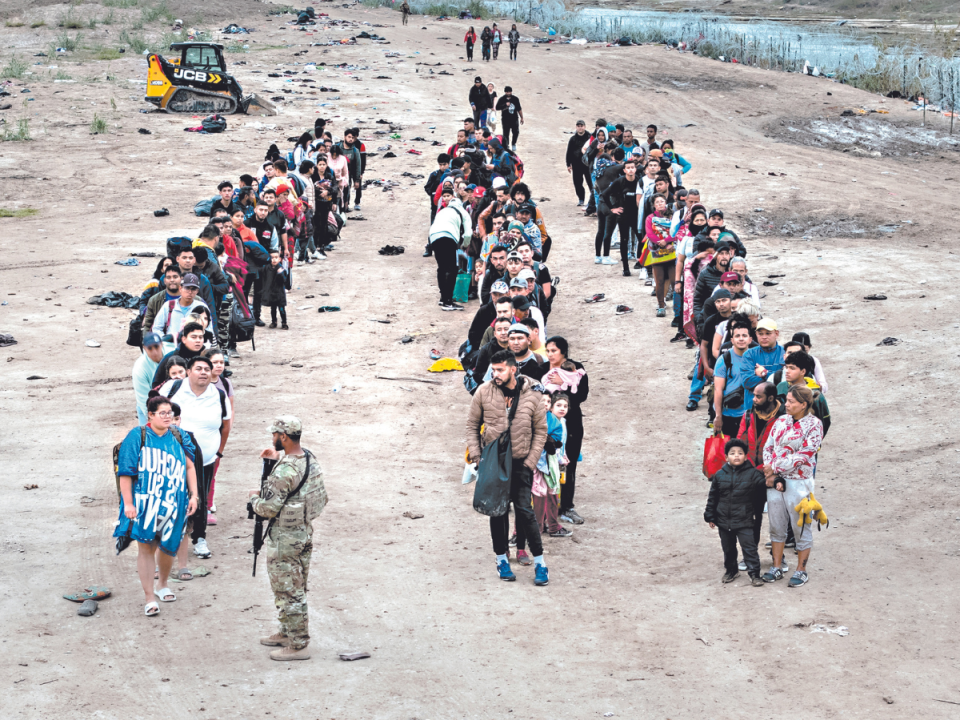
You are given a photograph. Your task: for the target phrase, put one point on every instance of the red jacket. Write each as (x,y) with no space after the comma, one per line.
(748,433)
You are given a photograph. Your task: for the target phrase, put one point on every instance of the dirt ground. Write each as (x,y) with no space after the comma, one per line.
(635,622)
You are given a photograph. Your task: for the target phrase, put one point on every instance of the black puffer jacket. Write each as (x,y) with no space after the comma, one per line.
(732,501)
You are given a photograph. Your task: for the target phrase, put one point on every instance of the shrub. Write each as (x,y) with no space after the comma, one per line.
(136,42)
(15,69)
(98,126)
(14,23)
(37,23)
(22,133)
(68,43)
(21,213)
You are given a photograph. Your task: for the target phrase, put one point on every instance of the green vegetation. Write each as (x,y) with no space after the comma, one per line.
(68,43)
(104,53)
(14,23)
(22,133)
(15,69)
(284,9)
(109,19)
(70,21)
(155,13)
(98,126)
(62,75)
(136,42)
(119,3)
(235,47)
(37,23)
(21,213)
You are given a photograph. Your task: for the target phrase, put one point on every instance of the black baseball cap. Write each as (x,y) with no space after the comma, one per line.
(716,212)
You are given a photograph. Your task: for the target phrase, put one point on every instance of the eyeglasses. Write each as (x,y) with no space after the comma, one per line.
(164,414)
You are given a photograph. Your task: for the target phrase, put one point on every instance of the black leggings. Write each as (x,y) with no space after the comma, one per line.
(273,314)
(445,251)
(602,239)
(513,52)
(521,484)
(256,282)
(357,194)
(204,474)
(569,487)
(469,51)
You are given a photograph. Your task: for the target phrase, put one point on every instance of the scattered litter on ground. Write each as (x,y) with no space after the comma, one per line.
(88,608)
(446,365)
(403,377)
(389,249)
(875,297)
(889,341)
(599,297)
(92,344)
(406,339)
(413,515)
(94,592)
(7,340)
(37,377)
(353,655)
(114,298)
(841,631)
(130,261)
(144,131)
(31,486)
(328,308)
(162,212)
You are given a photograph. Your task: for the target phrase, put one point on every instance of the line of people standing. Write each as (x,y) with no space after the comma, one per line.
(491,38)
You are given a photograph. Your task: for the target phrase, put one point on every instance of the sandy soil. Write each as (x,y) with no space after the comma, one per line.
(635,622)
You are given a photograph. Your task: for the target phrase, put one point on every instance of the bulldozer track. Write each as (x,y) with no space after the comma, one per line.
(193,100)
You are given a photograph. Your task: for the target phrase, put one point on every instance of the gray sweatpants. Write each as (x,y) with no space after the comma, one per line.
(781,516)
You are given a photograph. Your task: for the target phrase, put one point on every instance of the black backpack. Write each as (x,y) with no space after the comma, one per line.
(214,124)
(242,323)
(135,331)
(175,431)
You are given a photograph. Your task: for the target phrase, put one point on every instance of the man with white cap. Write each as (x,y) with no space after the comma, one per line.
(290,497)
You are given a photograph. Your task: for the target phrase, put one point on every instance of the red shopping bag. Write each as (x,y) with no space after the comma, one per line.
(713,454)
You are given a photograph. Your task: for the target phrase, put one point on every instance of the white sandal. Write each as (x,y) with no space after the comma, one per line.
(151,609)
(165,595)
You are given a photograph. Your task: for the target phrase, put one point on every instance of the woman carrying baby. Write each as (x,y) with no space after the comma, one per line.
(567,376)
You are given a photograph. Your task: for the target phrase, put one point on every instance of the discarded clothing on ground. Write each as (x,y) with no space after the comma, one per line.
(115,299)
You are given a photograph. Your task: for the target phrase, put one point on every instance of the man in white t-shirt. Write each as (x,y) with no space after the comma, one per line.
(203,410)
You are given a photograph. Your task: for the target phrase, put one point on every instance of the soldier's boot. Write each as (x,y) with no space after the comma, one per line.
(275,640)
(289,653)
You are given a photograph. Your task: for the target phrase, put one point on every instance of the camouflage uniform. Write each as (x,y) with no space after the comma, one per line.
(290,541)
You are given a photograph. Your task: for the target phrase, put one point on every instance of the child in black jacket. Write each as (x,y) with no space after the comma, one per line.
(731,507)
(275,290)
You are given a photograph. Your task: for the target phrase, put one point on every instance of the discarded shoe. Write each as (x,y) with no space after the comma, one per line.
(391,249)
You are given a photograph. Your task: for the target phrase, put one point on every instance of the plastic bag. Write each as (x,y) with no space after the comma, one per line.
(469,473)
(491,495)
(713,454)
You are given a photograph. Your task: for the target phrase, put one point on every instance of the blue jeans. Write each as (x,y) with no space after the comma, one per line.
(697,384)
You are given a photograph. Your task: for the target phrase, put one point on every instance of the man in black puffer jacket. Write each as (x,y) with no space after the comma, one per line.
(731,505)
(709,278)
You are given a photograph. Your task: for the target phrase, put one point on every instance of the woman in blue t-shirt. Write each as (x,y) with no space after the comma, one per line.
(155,471)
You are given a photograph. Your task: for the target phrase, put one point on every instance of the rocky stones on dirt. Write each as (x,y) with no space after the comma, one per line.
(876,296)
(413,515)
(889,341)
(88,608)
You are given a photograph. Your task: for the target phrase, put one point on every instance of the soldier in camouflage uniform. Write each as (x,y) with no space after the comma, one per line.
(290,532)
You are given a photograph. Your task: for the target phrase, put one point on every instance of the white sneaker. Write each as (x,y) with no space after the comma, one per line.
(213,508)
(644,274)
(598,260)
(357,207)
(609,261)
(742,566)
(201,550)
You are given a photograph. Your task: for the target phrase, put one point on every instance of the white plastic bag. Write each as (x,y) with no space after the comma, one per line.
(469,473)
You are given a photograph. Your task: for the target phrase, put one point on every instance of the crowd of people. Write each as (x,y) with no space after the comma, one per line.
(205,299)
(766,400)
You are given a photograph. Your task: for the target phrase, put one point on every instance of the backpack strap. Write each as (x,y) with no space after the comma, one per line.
(166,324)
(175,388)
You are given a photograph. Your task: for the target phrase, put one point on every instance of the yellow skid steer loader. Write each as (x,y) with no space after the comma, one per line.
(197,83)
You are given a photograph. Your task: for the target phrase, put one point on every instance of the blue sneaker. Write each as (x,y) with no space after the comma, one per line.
(541,577)
(503,567)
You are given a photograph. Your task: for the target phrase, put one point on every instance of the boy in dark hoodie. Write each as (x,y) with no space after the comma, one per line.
(275,290)
(731,507)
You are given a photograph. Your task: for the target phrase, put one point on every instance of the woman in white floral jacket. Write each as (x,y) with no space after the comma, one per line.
(789,459)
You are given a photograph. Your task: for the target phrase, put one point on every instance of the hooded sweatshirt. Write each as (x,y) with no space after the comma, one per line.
(453,222)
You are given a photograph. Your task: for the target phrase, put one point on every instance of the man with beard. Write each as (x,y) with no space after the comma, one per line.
(509,403)
(710,276)
(528,363)
(485,315)
(500,341)
(292,496)
(496,267)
